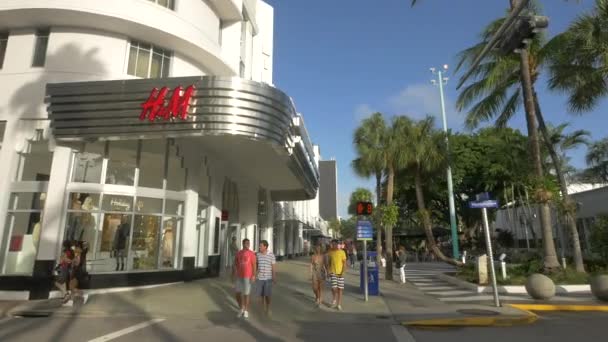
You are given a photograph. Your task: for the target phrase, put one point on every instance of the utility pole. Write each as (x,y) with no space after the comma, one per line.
(454,228)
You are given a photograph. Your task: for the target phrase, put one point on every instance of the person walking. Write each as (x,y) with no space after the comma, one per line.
(318,274)
(401,259)
(243,275)
(266,274)
(336,259)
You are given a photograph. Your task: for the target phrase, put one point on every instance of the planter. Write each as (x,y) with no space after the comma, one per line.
(599,287)
(540,286)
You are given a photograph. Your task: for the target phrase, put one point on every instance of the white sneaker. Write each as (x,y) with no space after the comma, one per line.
(241,313)
(246,314)
(334,304)
(339,307)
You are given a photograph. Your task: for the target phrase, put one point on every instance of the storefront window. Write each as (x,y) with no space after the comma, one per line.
(149,205)
(2,123)
(112,248)
(171,226)
(35,163)
(144,249)
(152,163)
(122,161)
(176,175)
(174,207)
(81,223)
(117,203)
(88,164)
(24,221)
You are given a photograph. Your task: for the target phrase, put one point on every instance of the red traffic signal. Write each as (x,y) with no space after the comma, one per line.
(364,208)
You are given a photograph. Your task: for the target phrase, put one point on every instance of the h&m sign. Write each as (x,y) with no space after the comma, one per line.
(157,107)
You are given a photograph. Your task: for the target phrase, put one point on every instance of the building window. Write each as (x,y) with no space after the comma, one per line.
(165,3)
(2,129)
(148,61)
(42,42)
(88,164)
(24,221)
(176,173)
(3,44)
(35,162)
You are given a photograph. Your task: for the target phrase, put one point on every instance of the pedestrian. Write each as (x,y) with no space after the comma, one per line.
(401,259)
(336,259)
(318,274)
(243,276)
(63,270)
(353,255)
(266,274)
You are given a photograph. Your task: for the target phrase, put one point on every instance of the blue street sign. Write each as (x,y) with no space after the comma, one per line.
(365,231)
(483,204)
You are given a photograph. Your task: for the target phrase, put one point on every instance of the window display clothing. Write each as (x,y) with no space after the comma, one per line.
(119,245)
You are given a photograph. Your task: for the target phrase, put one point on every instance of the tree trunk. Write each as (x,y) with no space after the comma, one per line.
(388,230)
(550,255)
(569,207)
(428,227)
(378,226)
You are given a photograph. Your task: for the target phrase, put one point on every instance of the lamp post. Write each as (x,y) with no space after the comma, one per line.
(441,81)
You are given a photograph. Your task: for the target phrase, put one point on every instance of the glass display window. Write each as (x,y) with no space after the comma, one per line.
(88,164)
(152,163)
(168,241)
(144,252)
(122,161)
(117,203)
(176,173)
(149,205)
(173,207)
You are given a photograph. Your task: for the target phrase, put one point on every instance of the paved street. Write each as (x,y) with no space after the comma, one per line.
(205,310)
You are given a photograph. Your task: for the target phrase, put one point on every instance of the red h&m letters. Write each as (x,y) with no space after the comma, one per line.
(178,104)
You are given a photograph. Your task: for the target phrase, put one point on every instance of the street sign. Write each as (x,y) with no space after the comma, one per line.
(365,231)
(483,204)
(364,208)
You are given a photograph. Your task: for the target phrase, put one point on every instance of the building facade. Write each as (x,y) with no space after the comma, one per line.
(156,139)
(328,191)
(524,223)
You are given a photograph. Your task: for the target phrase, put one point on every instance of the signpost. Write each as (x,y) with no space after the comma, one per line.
(365,232)
(484,202)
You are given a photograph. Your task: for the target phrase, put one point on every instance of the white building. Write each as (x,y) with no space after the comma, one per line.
(83,158)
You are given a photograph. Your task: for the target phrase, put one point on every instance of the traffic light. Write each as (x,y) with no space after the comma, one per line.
(364,208)
(523,30)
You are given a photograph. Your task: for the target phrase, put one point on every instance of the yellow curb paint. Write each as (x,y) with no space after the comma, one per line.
(560,307)
(487,321)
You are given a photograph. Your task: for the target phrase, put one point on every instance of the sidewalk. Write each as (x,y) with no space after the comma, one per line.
(212,300)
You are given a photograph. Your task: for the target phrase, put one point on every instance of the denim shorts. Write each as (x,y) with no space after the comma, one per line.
(263,287)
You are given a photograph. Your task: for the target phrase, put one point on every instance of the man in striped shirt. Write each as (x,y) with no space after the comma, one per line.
(266,273)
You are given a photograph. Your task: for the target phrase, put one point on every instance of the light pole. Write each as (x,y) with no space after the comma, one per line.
(441,81)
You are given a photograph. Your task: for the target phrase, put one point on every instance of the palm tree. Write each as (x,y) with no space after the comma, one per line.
(425,152)
(368,141)
(577,59)
(597,159)
(557,141)
(496,91)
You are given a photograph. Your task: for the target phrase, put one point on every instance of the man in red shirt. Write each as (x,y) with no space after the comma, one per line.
(243,271)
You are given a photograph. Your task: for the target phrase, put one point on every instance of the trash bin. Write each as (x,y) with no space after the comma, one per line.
(373,288)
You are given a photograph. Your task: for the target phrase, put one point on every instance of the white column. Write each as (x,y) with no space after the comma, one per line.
(300,237)
(282,243)
(52,230)
(189,233)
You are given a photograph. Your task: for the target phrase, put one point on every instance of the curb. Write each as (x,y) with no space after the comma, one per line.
(477,321)
(561,307)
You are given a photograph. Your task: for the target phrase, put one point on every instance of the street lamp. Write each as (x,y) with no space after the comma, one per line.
(441,81)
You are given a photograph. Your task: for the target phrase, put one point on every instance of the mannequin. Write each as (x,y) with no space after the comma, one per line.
(119,244)
(88,221)
(167,245)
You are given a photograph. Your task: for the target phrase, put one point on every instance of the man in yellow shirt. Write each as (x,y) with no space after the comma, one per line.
(336,263)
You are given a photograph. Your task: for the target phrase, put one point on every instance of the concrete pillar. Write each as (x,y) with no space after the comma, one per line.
(289,238)
(52,229)
(189,234)
(300,235)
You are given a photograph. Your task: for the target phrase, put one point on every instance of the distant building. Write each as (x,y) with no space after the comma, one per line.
(524,222)
(328,189)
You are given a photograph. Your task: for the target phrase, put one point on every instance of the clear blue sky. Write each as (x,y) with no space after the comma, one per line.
(340,60)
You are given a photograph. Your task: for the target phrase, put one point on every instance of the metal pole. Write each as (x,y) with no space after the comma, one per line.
(486,227)
(365,285)
(455,249)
